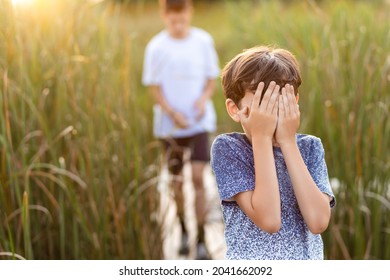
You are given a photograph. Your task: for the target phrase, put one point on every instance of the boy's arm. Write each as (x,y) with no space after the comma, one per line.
(178,118)
(151,80)
(208,92)
(212,72)
(262,205)
(314,204)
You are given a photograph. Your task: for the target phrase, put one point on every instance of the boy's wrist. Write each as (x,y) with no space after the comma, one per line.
(205,96)
(261,139)
(170,112)
(288,144)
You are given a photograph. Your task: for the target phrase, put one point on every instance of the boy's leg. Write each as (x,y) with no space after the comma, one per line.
(174,157)
(200,157)
(200,197)
(177,186)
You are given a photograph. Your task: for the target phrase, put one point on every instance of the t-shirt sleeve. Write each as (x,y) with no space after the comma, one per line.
(150,69)
(319,171)
(232,172)
(212,62)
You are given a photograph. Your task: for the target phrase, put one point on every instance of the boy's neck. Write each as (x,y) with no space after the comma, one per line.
(180,36)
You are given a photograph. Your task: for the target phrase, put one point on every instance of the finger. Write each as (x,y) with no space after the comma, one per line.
(267,96)
(257,96)
(296,106)
(276,106)
(288,91)
(274,102)
(273,99)
(286,101)
(282,109)
(291,100)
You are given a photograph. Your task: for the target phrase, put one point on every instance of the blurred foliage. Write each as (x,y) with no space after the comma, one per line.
(78,170)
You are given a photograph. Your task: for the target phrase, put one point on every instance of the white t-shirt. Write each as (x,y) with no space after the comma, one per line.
(181,67)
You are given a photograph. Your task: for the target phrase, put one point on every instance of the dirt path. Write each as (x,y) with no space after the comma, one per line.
(214,227)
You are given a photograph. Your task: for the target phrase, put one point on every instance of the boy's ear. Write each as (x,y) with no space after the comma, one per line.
(297,97)
(232,109)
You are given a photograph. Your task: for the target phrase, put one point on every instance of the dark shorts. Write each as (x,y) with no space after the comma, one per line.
(198,145)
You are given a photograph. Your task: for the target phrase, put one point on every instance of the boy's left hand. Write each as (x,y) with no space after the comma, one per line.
(200,106)
(288,117)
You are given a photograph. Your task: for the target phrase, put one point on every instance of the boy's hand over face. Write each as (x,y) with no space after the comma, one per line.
(262,119)
(288,118)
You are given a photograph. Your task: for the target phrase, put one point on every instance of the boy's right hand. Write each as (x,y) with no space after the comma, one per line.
(179,119)
(261,120)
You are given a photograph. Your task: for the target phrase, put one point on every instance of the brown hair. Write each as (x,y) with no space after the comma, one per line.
(175,5)
(259,64)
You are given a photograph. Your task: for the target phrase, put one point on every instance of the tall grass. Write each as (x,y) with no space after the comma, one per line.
(78,166)
(79,163)
(344,51)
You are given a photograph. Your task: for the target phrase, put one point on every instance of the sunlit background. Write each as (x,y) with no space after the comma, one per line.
(79,167)
(21,2)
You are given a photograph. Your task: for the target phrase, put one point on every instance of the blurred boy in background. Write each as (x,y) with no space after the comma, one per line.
(180,69)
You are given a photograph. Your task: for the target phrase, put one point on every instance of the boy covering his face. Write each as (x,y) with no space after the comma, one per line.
(272,182)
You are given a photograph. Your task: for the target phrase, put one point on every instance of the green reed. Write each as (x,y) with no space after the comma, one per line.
(73,145)
(344,51)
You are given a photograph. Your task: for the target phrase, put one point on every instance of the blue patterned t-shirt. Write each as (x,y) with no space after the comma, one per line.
(233,166)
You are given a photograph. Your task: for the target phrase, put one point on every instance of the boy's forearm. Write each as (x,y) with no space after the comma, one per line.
(160,100)
(313,204)
(209,89)
(266,196)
